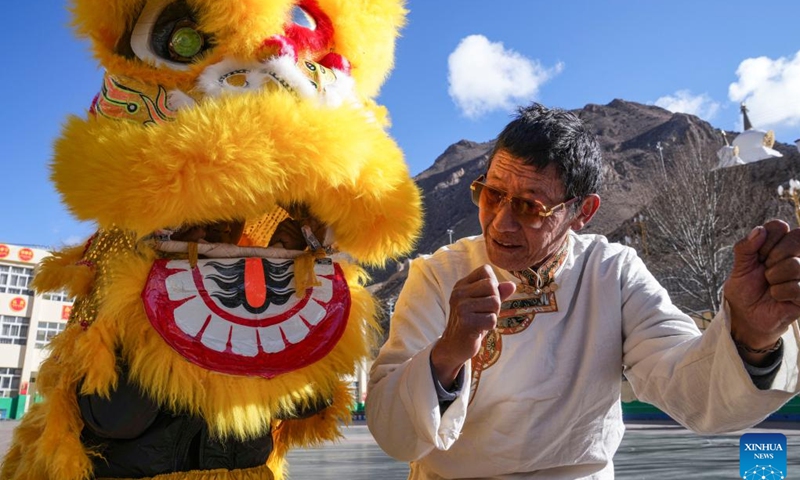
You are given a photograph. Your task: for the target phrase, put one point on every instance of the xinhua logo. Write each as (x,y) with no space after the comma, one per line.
(762,456)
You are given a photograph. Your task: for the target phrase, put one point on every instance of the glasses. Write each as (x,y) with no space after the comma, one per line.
(525,211)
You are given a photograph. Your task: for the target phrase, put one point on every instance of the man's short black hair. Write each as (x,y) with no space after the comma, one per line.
(540,136)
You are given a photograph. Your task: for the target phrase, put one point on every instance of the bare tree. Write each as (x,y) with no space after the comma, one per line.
(690,227)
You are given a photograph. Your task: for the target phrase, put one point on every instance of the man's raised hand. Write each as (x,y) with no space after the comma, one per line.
(474,307)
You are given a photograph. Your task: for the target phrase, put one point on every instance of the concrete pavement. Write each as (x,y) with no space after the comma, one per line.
(649,451)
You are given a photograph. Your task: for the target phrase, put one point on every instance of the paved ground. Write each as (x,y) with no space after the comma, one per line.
(667,451)
(649,451)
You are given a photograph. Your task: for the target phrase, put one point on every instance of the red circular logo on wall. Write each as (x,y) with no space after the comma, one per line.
(17,304)
(26,254)
(4,251)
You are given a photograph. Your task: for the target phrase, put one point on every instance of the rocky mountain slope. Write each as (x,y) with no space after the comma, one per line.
(629,134)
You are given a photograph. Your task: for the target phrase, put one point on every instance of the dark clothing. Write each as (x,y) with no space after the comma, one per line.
(764,376)
(137,439)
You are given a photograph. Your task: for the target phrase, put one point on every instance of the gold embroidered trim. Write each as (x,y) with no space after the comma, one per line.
(517,315)
(542,279)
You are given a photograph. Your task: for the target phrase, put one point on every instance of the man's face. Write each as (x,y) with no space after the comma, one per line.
(512,245)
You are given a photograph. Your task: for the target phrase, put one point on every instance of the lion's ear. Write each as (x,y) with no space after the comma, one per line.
(65,270)
(366,31)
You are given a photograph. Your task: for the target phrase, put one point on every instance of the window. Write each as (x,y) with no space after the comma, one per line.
(9,381)
(15,280)
(57,296)
(47,330)
(13,330)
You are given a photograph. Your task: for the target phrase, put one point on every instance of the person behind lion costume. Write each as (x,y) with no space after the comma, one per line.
(239,172)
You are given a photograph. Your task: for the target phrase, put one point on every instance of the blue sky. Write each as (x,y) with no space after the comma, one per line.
(461,68)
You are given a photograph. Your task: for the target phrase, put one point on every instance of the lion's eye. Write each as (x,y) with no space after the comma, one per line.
(186,42)
(302,18)
(167,34)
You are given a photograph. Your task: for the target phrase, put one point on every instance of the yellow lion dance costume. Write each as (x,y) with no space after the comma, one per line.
(238,170)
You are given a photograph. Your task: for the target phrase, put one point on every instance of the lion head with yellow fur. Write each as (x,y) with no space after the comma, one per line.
(238,169)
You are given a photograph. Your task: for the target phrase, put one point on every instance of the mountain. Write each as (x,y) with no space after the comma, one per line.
(629,134)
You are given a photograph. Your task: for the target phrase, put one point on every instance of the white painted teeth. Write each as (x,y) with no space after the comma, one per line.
(187,320)
(216,334)
(271,340)
(244,340)
(194,317)
(313,312)
(180,286)
(294,329)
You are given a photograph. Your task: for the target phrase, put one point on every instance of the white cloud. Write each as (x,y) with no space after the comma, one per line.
(484,76)
(771,90)
(683,101)
(74,240)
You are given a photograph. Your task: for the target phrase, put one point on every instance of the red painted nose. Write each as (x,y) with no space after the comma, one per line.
(255,282)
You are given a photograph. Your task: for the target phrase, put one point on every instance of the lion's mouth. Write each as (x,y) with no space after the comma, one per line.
(242,309)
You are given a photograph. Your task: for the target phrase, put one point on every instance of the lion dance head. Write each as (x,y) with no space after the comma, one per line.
(239,172)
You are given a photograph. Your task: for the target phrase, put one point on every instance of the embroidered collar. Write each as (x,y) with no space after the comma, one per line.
(541,280)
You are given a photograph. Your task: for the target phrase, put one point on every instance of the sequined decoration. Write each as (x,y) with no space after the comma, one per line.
(259,231)
(103,246)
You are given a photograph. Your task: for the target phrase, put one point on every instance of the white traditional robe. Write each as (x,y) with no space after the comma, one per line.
(549,405)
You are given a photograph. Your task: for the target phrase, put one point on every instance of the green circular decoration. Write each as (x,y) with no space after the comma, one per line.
(186,42)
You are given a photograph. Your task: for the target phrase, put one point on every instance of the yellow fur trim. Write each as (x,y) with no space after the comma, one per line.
(315,430)
(344,166)
(62,270)
(366,31)
(46,444)
(169,79)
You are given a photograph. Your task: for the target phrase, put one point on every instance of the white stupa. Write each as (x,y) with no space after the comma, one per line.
(755,145)
(728,155)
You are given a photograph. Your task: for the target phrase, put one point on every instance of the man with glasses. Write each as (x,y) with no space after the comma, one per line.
(506,349)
